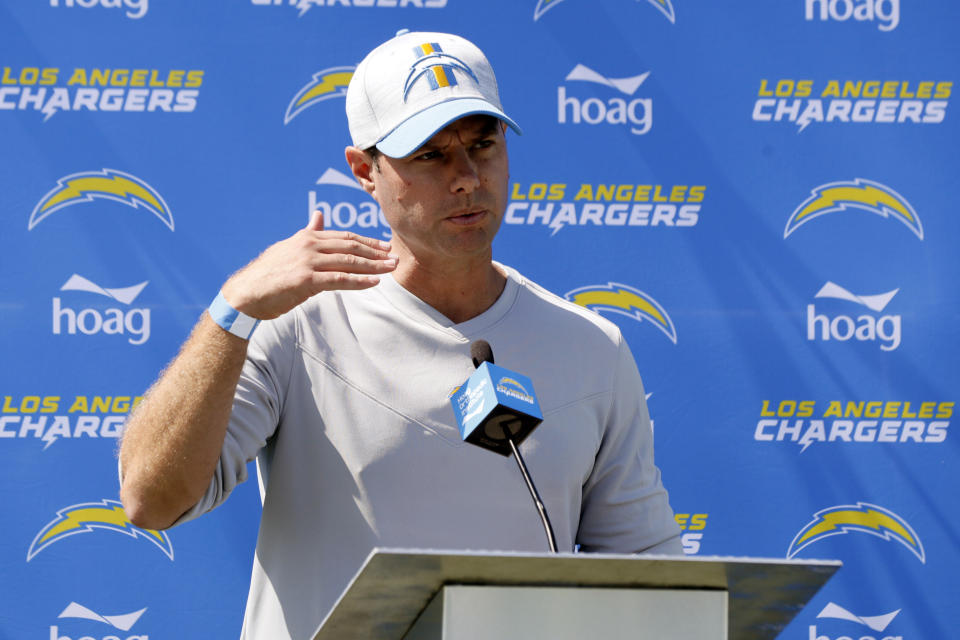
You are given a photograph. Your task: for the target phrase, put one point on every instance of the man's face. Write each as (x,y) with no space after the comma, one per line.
(445,201)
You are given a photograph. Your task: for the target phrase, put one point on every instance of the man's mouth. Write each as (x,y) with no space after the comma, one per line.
(469,217)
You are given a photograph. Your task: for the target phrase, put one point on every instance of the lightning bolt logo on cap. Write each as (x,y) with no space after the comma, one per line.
(437,67)
(107,184)
(87,517)
(664,6)
(326,84)
(627,301)
(861,517)
(859,193)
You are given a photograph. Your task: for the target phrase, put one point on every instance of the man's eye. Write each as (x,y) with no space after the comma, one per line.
(428,155)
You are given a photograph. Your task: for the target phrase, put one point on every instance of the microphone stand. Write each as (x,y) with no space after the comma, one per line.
(547,527)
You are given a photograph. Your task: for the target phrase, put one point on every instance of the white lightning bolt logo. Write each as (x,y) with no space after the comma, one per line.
(805,119)
(49,438)
(49,109)
(306,5)
(556,224)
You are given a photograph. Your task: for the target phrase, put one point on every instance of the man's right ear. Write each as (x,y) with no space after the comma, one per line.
(362,165)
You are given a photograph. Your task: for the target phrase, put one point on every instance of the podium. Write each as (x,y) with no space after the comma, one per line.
(434,595)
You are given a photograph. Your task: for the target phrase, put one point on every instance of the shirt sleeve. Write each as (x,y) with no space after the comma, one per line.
(257,406)
(625,506)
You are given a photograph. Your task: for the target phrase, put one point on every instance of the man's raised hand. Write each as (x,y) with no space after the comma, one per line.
(310,261)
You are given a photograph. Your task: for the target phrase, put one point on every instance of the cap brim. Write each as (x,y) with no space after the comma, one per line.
(411,134)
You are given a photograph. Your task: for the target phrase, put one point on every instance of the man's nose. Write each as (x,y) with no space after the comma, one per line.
(466,176)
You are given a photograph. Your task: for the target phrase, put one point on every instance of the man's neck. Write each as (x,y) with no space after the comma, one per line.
(459,292)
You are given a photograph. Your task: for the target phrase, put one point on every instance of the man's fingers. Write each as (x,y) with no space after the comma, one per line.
(352,247)
(349,236)
(328,281)
(316,221)
(350,263)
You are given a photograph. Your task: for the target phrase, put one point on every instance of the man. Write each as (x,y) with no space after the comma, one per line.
(342,396)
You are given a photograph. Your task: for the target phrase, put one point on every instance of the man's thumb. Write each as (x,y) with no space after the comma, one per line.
(316,221)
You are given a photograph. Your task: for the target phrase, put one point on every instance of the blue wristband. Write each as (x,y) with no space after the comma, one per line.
(237,323)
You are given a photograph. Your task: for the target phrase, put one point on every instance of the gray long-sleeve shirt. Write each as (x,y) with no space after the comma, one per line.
(344,403)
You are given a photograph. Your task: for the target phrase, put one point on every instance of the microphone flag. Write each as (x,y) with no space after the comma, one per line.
(491,398)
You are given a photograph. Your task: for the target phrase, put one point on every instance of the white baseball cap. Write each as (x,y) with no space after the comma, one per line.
(415,84)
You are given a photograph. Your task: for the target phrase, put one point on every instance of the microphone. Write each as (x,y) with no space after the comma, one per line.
(499,415)
(492,399)
(481,352)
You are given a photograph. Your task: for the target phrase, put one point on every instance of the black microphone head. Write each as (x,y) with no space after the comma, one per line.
(481,352)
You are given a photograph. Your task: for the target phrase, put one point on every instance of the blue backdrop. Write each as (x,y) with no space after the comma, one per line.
(760,194)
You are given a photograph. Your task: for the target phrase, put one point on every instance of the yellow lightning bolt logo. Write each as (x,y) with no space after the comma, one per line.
(860,194)
(624,300)
(513,383)
(326,84)
(89,516)
(861,517)
(107,184)
(664,6)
